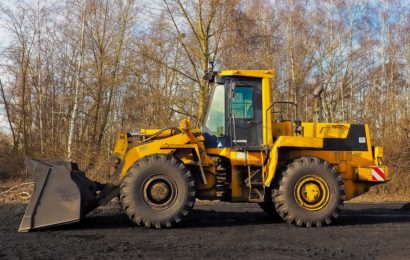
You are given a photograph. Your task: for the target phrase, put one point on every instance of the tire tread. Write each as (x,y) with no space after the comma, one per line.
(126,188)
(281,187)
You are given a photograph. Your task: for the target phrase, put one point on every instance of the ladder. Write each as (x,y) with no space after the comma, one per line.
(256,178)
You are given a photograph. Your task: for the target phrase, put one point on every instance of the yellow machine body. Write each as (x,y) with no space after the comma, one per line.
(280,144)
(242,153)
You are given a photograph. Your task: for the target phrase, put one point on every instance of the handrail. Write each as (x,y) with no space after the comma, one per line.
(296,118)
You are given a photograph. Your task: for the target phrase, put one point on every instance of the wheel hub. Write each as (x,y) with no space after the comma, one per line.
(312,192)
(159,192)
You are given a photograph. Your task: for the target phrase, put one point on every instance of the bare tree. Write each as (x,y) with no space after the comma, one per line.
(75,72)
(74,112)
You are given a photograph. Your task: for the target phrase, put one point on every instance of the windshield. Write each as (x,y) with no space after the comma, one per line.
(215,120)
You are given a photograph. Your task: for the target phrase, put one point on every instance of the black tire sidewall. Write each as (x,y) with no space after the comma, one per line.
(132,198)
(284,192)
(334,193)
(143,175)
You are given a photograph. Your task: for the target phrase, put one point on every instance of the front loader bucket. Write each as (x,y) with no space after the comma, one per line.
(62,194)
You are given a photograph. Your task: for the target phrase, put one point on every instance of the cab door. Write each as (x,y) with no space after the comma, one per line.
(245,116)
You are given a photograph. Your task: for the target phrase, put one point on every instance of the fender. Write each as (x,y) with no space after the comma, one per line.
(288,141)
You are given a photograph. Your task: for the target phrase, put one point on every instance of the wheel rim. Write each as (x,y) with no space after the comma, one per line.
(159,192)
(312,192)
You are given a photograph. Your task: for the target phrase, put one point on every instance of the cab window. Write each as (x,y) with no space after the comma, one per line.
(215,120)
(242,102)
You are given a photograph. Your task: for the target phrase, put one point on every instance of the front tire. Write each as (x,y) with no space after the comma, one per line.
(310,192)
(158,191)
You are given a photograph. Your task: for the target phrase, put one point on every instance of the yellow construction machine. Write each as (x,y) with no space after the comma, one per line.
(246,151)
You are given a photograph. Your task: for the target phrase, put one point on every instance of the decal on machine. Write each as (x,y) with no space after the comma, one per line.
(240,155)
(378,174)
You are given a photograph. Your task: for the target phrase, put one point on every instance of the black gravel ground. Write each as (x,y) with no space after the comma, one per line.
(233,231)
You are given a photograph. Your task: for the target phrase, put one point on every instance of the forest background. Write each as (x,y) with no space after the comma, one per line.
(74,72)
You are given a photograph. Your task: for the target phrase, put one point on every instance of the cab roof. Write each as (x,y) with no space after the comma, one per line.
(248,73)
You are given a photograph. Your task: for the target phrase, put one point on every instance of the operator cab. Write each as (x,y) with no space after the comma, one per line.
(234,116)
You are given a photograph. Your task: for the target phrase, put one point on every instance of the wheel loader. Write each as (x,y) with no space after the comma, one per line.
(247,150)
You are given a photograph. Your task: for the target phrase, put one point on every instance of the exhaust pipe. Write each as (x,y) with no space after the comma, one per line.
(317,104)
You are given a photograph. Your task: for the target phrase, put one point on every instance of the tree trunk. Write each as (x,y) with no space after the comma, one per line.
(74,112)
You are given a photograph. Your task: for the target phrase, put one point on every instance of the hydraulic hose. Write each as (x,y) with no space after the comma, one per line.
(176,129)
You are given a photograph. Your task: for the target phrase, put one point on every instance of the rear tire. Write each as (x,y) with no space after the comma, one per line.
(158,191)
(310,192)
(268,206)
